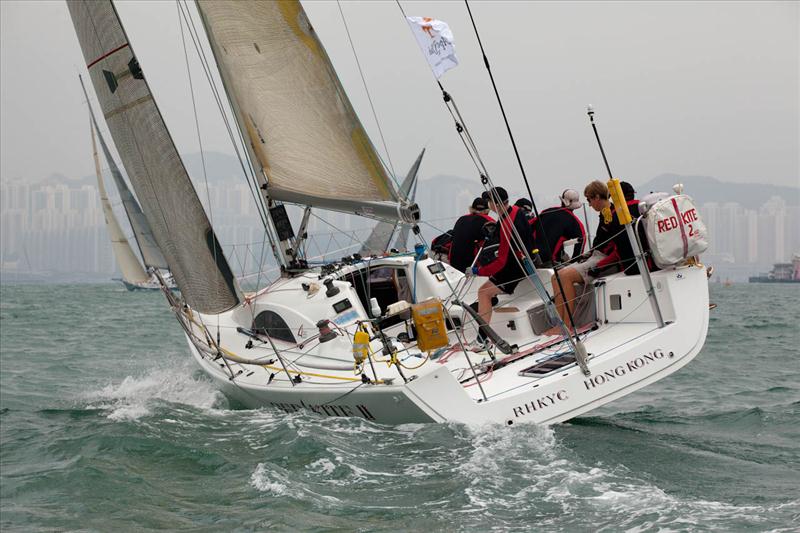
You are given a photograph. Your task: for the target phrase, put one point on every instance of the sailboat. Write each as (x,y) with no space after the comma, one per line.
(343,339)
(134,276)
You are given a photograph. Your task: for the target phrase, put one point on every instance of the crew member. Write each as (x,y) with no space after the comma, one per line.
(506,270)
(620,251)
(525,204)
(555,225)
(596,194)
(468,235)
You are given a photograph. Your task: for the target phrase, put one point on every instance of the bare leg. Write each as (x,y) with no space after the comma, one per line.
(485,294)
(565,300)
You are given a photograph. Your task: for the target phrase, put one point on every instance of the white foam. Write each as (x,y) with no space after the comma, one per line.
(136,396)
(322,467)
(261,479)
(275,481)
(605,495)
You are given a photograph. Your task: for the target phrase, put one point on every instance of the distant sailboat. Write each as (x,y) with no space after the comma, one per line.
(134,276)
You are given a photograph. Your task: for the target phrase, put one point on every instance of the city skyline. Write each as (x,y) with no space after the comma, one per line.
(59,227)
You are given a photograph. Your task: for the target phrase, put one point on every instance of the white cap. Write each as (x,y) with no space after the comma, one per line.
(570,199)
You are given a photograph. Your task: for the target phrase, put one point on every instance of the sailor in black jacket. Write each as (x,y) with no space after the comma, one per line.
(558,225)
(468,235)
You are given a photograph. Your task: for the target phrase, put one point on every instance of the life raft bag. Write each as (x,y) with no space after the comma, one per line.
(674,230)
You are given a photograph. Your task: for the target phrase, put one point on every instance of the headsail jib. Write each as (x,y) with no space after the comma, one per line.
(169,201)
(291,105)
(129,266)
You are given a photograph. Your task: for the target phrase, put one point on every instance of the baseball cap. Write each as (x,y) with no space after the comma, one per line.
(498,192)
(480,204)
(627,190)
(525,204)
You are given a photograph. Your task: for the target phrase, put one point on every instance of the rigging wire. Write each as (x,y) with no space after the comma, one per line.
(519,160)
(472,149)
(197,124)
(248,169)
(369,96)
(215,92)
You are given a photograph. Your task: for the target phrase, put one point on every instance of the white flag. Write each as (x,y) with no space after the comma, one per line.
(436,41)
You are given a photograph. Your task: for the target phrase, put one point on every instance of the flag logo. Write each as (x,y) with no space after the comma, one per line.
(436,42)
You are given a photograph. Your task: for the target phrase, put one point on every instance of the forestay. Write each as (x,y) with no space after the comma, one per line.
(151,255)
(169,201)
(130,267)
(290,104)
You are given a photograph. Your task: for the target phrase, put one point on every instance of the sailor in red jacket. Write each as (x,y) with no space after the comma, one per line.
(506,270)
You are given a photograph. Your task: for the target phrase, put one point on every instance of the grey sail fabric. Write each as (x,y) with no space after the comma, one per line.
(379,240)
(169,201)
(290,105)
(142,233)
(131,269)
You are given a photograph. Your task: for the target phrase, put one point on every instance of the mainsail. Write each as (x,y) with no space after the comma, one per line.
(142,233)
(130,267)
(169,200)
(290,104)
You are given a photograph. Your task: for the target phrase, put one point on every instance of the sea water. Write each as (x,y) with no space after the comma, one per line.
(106,424)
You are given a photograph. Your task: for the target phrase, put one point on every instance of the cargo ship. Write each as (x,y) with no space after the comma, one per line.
(781,272)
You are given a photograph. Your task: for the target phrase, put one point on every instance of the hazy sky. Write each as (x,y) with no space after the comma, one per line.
(706,88)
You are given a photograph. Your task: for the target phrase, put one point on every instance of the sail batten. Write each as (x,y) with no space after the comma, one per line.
(168,199)
(293,110)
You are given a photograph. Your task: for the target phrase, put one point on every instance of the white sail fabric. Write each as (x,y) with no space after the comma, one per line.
(129,265)
(169,201)
(290,103)
(142,233)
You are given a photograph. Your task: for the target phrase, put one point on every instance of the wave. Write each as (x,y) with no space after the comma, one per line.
(137,396)
(458,477)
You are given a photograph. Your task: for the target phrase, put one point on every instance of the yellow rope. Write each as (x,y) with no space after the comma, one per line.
(269,367)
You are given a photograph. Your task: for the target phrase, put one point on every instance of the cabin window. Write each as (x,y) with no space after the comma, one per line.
(387,284)
(271,324)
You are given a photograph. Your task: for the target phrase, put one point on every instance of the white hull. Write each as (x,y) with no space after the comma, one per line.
(627,352)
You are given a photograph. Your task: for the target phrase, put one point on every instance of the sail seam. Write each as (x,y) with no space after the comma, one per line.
(128,106)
